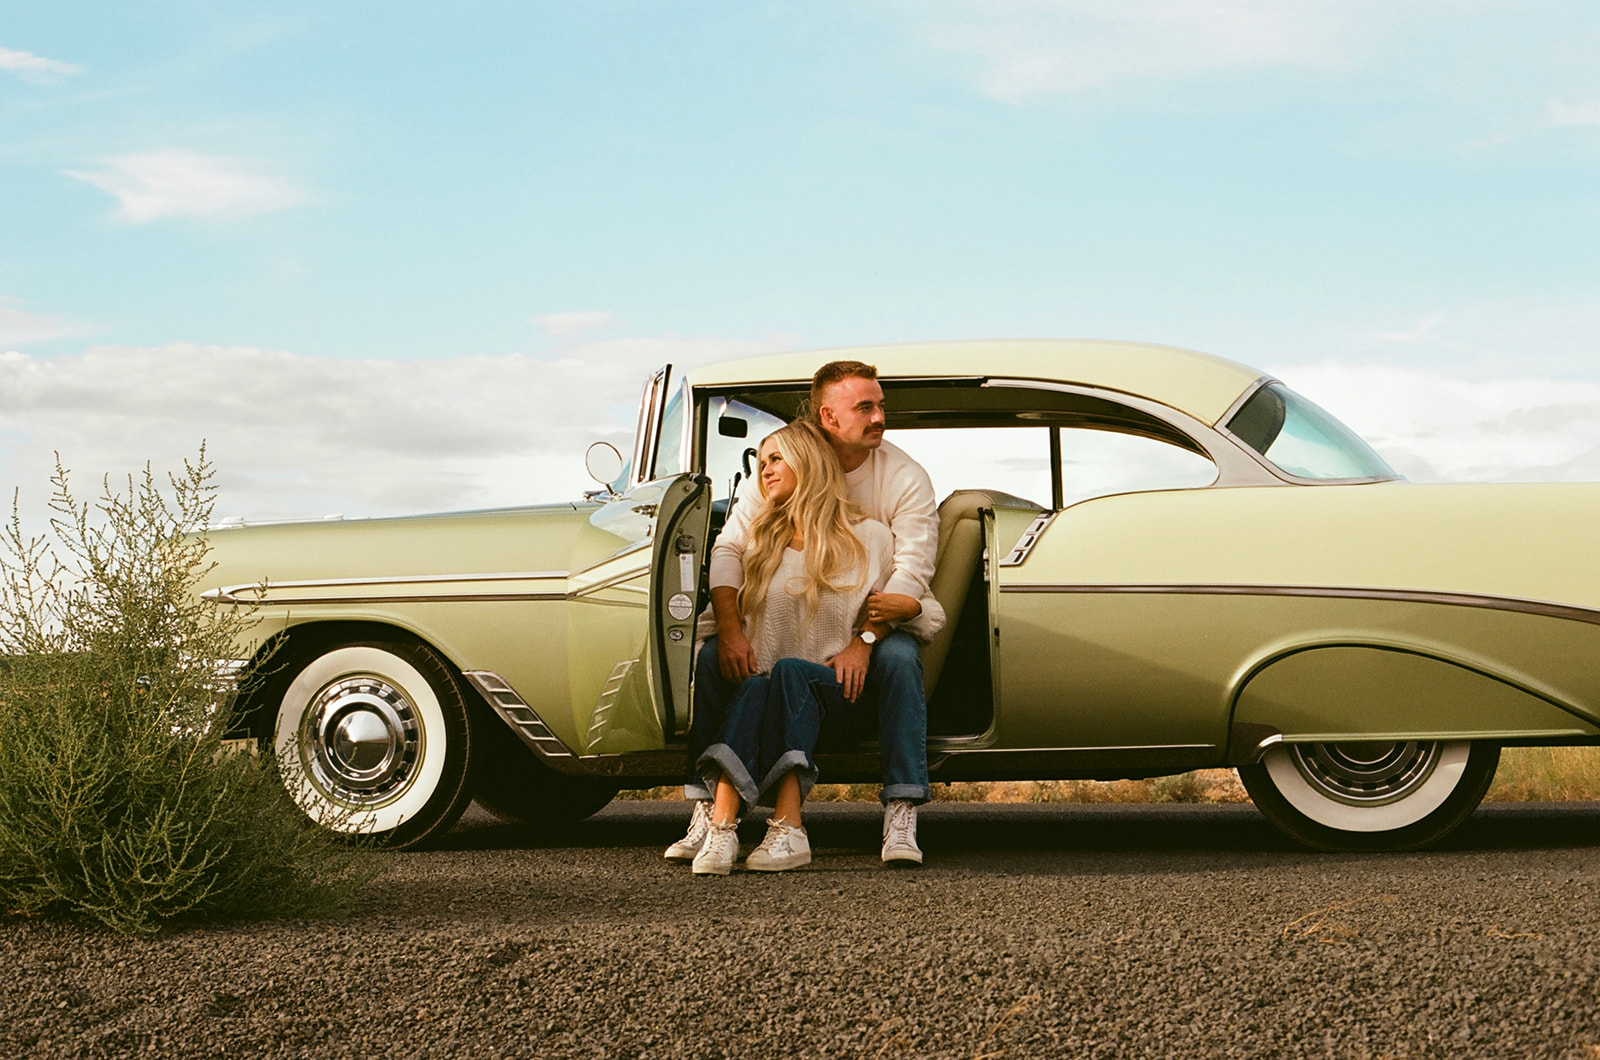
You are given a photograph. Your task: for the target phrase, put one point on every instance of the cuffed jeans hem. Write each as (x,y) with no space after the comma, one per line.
(916,794)
(719,760)
(697,793)
(797,761)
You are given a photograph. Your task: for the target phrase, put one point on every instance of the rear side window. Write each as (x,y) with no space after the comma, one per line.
(1301,439)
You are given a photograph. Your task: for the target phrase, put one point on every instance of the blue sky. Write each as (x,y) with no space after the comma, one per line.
(203,203)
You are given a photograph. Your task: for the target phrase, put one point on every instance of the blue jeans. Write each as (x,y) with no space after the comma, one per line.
(893,694)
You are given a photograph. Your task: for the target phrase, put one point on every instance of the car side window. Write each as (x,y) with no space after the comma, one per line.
(725,451)
(669,447)
(1016,460)
(1099,463)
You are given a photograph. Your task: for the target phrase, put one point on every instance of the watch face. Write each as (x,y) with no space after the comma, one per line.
(868,637)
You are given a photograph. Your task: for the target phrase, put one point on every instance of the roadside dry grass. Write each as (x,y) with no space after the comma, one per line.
(1547,774)
(1526,774)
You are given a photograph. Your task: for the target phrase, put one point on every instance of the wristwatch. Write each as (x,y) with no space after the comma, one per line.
(868,637)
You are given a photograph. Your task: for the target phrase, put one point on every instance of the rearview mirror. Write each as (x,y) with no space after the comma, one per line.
(733,427)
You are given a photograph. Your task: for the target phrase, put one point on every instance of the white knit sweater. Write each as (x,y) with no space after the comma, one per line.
(785,631)
(891,489)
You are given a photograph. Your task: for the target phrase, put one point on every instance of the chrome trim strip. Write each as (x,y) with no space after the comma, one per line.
(1519,605)
(434,598)
(499,694)
(998,752)
(231,594)
(1029,538)
(613,582)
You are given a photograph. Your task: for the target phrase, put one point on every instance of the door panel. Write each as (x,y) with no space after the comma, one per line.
(1089,669)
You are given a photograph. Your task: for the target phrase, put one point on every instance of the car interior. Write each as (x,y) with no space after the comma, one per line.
(957,663)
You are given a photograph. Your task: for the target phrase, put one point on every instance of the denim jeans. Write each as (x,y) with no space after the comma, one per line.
(893,694)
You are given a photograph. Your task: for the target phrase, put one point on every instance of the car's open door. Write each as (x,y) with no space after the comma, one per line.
(636,587)
(676,595)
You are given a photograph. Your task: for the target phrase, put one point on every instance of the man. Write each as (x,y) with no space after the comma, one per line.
(847,401)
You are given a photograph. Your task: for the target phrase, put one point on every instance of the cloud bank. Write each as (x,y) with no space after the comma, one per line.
(1435,427)
(152,185)
(297,436)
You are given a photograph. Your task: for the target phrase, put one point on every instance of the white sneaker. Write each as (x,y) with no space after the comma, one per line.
(786,847)
(699,824)
(900,833)
(719,851)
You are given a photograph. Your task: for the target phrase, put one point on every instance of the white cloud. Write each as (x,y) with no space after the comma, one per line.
(36,68)
(1561,113)
(1438,426)
(1028,47)
(296,436)
(566,325)
(18,327)
(154,184)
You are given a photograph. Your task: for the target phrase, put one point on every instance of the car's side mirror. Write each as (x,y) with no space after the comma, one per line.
(604,464)
(733,427)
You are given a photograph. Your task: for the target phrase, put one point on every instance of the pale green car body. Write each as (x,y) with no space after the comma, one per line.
(1378,639)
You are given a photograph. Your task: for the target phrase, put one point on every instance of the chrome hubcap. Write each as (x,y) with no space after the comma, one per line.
(1366,773)
(361,740)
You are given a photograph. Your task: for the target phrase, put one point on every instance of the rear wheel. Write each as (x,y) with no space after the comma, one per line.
(1371,794)
(372,739)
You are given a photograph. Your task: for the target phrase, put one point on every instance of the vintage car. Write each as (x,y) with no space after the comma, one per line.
(1275,598)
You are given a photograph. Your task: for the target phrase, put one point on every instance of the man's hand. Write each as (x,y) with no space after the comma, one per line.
(892,608)
(850,667)
(735,655)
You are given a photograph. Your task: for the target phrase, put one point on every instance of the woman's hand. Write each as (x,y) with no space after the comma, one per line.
(892,608)
(735,655)
(850,667)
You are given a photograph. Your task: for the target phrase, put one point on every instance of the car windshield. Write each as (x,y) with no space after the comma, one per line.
(1303,440)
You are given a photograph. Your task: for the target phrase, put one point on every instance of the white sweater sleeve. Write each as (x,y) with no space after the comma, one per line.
(727,555)
(913,516)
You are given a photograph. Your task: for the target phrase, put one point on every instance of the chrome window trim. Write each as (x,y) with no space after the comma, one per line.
(651,402)
(1237,464)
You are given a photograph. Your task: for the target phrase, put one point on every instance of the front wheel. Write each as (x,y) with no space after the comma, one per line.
(372,739)
(1371,795)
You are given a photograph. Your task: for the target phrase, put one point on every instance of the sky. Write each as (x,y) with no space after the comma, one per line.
(392,257)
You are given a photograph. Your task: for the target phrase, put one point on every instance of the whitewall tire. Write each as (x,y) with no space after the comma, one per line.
(372,739)
(1371,795)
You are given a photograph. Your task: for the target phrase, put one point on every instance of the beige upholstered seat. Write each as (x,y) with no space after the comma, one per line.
(960,549)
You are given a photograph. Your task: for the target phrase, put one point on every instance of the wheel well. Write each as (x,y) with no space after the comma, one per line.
(277,661)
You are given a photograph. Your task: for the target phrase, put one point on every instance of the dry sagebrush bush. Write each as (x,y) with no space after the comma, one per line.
(118,800)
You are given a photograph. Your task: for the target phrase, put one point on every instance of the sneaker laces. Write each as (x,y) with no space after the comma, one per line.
(700,820)
(900,825)
(776,841)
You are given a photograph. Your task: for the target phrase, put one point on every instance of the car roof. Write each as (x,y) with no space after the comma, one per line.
(1199,384)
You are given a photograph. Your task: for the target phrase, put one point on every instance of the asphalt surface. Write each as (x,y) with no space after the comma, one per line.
(1078,931)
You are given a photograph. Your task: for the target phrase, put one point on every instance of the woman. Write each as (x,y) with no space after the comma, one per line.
(810,562)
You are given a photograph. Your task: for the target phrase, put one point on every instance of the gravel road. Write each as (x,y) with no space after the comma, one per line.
(1080,931)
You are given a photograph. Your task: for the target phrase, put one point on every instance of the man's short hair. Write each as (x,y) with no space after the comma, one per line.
(836,372)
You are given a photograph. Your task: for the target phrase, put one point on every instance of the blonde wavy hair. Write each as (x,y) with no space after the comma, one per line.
(822,513)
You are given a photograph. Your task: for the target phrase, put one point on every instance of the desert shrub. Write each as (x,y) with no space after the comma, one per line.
(120,800)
